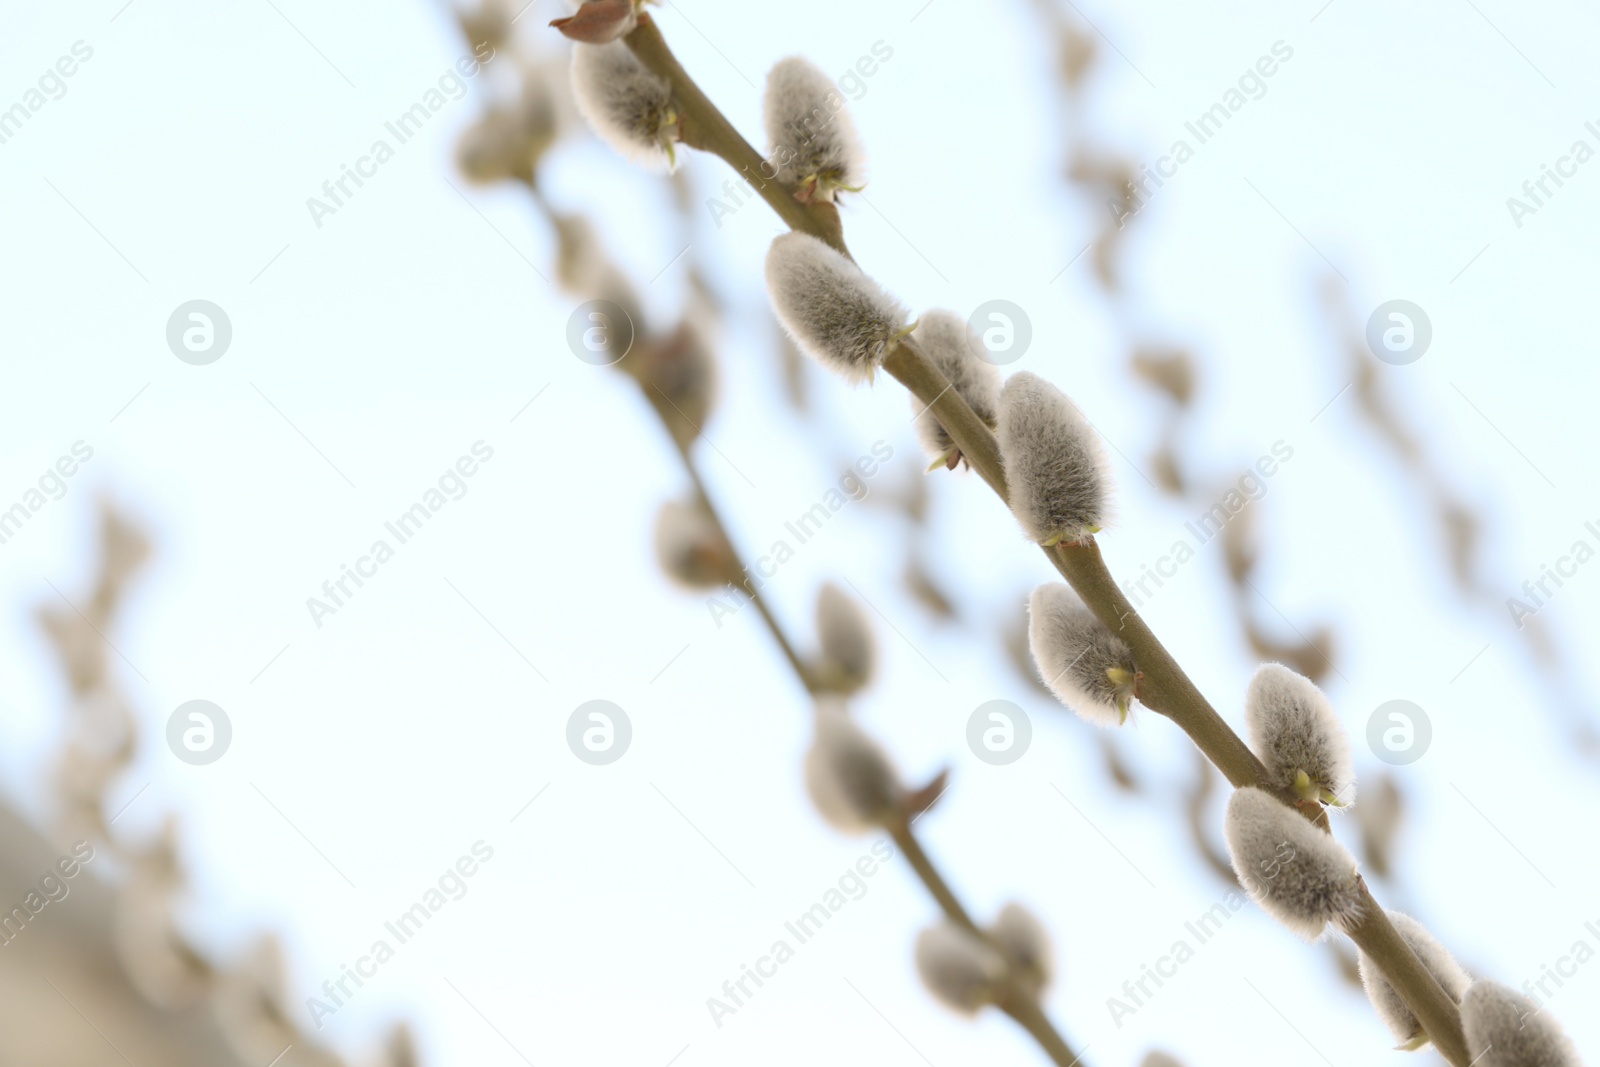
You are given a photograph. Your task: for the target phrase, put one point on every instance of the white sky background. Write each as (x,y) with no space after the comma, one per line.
(405,329)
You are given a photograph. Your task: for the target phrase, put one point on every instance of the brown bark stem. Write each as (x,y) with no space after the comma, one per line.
(1165,688)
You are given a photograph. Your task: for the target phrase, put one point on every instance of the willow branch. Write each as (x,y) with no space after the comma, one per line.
(937,887)
(1165,688)
(1016,1001)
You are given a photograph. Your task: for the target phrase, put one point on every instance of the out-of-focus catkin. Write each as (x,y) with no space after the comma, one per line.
(848,775)
(679,378)
(959,968)
(848,648)
(507,140)
(691,548)
(1025,944)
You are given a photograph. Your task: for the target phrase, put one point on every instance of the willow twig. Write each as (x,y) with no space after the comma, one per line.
(1019,1003)
(1165,688)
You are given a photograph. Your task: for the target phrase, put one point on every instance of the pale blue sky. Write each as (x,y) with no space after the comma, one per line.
(176,166)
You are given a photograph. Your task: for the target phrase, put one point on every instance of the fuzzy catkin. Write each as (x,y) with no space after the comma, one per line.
(626,104)
(1295,731)
(1298,874)
(836,314)
(1088,668)
(952,346)
(848,648)
(1025,944)
(1060,481)
(958,967)
(811,139)
(1387,1003)
(1506,1029)
(848,775)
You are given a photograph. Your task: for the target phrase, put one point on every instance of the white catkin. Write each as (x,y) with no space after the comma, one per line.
(848,775)
(1506,1029)
(811,139)
(1387,1003)
(1025,944)
(1295,731)
(958,967)
(836,314)
(1298,874)
(848,648)
(625,103)
(952,346)
(1054,463)
(1088,668)
(690,547)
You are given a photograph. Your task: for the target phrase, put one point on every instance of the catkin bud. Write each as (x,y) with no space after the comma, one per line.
(848,775)
(1506,1029)
(848,649)
(836,314)
(625,103)
(951,346)
(1298,874)
(1060,482)
(1025,944)
(1435,957)
(958,967)
(1298,736)
(1088,668)
(691,548)
(811,140)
